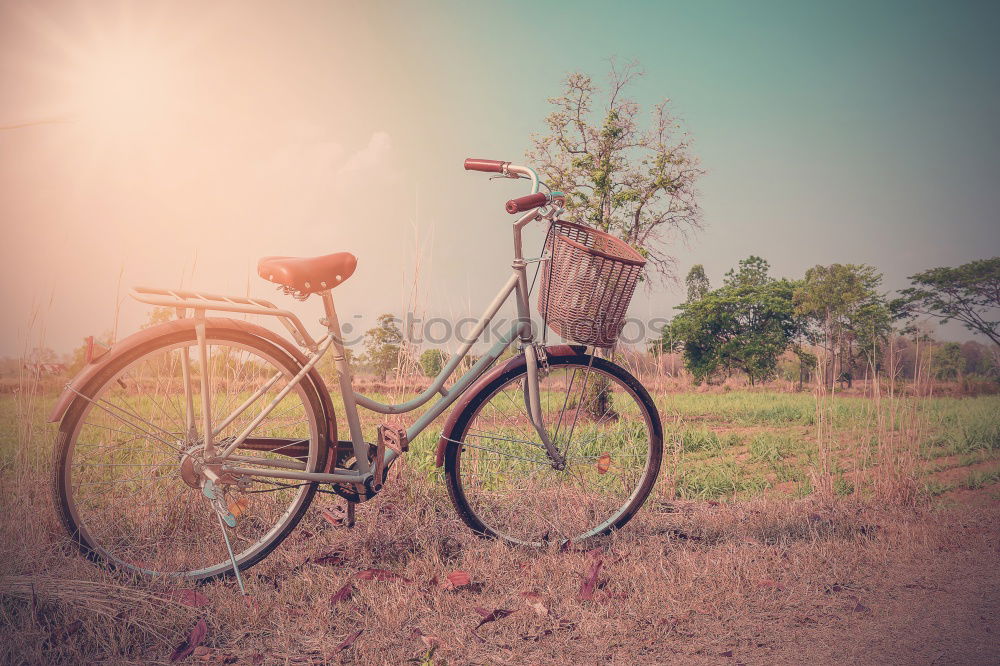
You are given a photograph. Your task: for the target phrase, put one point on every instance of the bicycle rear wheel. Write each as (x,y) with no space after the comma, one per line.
(129,445)
(602,421)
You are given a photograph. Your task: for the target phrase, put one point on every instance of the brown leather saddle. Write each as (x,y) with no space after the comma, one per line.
(308,275)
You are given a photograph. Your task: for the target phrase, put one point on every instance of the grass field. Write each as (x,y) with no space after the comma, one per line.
(782,522)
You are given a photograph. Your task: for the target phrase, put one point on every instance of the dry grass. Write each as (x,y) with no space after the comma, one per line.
(762,569)
(687,580)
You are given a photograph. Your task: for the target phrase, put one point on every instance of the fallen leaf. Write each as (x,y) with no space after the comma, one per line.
(333,558)
(589,583)
(343,594)
(379,574)
(534,601)
(239,506)
(330,518)
(493,615)
(613,596)
(194,639)
(861,608)
(604,463)
(200,651)
(189,597)
(430,641)
(349,641)
(456,579)
(727,653)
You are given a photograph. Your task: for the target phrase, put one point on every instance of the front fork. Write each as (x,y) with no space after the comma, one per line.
(532,357)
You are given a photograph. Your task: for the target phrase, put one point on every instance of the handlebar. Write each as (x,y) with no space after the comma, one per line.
(527,202)
(489,166)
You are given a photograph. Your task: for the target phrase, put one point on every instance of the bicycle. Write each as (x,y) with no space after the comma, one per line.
(203,425)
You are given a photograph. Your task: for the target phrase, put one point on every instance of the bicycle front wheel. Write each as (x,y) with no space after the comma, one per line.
(603,423)
(129,480)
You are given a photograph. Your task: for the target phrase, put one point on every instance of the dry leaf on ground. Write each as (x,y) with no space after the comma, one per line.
(349,641)
(332,559)
(492,616)
(456,579)
(429,640)
(343,594)
(189,597)
(534,601)
(589,584)
(194,639)
(329,517)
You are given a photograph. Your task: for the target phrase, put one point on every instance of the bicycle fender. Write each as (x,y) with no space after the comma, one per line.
(145,335)
(513,363)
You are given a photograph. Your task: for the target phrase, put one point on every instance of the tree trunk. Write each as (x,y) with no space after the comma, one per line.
(597,398)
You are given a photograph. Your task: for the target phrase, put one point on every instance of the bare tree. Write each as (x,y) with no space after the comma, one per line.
(633,181)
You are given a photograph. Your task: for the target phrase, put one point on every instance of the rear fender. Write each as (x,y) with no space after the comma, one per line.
(145,335)
(513,363)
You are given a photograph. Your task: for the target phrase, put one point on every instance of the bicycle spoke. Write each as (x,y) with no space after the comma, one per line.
(529,499)
(124,484)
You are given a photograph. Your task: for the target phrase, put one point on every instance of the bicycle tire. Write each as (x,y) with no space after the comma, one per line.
(76,417)
(483,525)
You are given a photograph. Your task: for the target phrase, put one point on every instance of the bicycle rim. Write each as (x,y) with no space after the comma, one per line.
(505,484)
(121,482)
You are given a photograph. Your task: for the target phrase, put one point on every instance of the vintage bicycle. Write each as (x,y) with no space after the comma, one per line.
(191,449)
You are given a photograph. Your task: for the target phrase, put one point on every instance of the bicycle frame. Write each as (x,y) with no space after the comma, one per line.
(521,330)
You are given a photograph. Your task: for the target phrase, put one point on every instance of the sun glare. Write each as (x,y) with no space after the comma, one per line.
(123,91)
(114,76)
(122,87)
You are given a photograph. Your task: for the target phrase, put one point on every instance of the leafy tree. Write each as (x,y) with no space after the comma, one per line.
(697,283)
(979,360)
(969,293)
(158,316)
(432,361)
(633,181)
(947,362)
(383,344)
(78,357)
(744,325)
(327,366)
(846,315)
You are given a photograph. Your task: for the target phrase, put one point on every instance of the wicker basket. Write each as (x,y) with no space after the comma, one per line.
(587,283)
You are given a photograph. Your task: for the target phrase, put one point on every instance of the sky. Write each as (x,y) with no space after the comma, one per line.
(173,143)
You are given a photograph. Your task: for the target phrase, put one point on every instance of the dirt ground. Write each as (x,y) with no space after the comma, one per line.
(944,609)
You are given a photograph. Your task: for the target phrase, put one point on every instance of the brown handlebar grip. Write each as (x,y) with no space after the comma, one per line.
(491,166)
(527,202)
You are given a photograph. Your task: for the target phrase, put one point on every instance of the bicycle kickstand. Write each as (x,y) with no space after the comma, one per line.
(349,522)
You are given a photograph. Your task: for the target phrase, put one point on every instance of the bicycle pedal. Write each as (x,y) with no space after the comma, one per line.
(388,437)
(394,437)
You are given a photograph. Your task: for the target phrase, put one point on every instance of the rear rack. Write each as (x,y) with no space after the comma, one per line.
(199,302)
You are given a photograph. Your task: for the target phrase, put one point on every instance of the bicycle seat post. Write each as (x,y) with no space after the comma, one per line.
(346,384)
